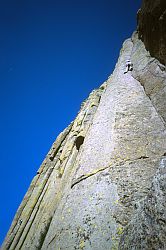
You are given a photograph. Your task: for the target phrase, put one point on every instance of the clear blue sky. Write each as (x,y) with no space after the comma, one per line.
(53,53)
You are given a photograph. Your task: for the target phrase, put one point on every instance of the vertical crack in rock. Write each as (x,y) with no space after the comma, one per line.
(151,74)
(56,146)
(61,155)
(27,223)
(17,221)
(118,138)
(125,141)
(21,226)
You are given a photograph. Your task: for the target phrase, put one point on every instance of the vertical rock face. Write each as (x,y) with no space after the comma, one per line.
(151,74)
(147,229)
(152,27)
(102,184)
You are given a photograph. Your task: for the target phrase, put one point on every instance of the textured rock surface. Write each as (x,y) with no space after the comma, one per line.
(95,188)
(152,27)
(147,230)
(151,74)
(34,215)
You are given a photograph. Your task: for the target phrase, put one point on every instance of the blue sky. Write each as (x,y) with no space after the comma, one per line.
(53,53)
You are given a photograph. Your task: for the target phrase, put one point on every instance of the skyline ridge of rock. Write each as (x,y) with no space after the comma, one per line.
(102,184)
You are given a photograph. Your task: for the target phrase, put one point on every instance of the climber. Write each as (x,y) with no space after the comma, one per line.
(20,221)
(129,66)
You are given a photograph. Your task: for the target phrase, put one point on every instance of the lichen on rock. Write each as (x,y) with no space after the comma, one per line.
(147,228)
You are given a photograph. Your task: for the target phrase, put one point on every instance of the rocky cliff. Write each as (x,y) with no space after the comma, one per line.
(102,184)
(152,27)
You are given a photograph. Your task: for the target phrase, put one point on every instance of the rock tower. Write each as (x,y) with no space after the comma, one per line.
(102,185)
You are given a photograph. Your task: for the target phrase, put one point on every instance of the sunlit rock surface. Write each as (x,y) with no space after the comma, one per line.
(103,178)
(147,228)
(151,74)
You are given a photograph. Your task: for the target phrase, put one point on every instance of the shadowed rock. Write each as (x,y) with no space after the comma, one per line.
(152,27)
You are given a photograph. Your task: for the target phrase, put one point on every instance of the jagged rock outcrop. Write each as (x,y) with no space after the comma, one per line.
(96,187)
(152,27)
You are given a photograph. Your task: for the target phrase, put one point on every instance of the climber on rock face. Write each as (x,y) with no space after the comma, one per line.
(129,66)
